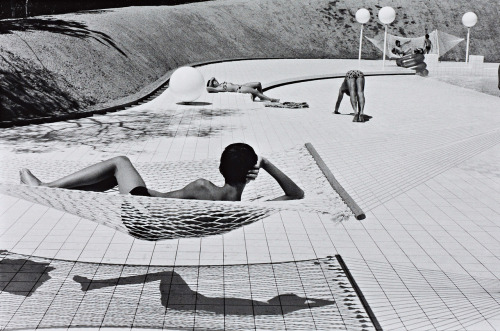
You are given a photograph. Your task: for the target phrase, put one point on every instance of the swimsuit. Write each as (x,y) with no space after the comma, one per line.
(225,84)
(140,190)
(354,74)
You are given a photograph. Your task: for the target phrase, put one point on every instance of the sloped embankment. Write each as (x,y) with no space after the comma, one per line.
(66,63)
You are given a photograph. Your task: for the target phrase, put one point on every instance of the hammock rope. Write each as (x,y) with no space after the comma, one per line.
(151,218)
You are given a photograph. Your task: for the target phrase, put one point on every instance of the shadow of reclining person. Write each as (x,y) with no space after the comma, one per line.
(176,294)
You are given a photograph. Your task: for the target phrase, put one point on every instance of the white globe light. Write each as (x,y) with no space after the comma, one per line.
(386,15)
(469,19)
(362,15)
(187,84)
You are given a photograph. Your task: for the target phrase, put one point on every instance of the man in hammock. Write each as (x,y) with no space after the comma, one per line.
(238,165)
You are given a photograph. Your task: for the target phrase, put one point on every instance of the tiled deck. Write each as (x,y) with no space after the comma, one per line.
(424,169)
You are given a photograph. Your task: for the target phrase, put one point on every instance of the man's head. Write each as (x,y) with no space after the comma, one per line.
(398,43)
(235,162)
(426,36)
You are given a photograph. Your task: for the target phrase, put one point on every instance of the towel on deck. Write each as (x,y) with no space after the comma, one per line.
(288,104)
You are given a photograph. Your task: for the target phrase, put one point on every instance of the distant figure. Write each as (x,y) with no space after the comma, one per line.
(398,49)
(499,77)
(354,86)
(255,89)
(427,44)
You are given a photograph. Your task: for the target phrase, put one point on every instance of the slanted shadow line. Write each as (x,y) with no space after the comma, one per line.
(67,28)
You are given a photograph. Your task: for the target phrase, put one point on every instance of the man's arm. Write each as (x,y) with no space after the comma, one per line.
(292,190)
(214,89)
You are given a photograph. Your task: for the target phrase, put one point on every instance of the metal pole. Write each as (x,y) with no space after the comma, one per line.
(360,42)
(467,50)
(385,43)
(437,42)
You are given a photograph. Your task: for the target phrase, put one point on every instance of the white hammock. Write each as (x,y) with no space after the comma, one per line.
(441,43)
(151,218)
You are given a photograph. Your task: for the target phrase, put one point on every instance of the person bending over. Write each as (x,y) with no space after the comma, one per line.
(238,165)
(354,86)
(254,88)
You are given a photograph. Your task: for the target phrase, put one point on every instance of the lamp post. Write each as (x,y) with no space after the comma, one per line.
(469,20)
(386,15)
(362,16)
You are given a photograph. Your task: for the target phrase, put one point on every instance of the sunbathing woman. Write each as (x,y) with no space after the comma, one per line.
(354,86)
(255,89)
(238,165)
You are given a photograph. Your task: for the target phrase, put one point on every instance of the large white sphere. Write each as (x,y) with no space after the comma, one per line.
(469,19)
(186,84)
(362,15)
(386,15)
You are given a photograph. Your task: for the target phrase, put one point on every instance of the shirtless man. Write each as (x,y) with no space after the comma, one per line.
(354,86)
(238,165)
(255,89)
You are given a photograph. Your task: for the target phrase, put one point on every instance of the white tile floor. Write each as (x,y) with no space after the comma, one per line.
(424,169)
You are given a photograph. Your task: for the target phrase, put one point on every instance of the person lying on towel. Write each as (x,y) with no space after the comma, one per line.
(238,165)
(254,88)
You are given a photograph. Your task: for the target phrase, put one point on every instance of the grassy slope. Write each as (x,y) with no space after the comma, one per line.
(115,53)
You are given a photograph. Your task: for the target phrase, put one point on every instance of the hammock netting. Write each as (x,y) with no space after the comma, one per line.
(442,42)
(151,218)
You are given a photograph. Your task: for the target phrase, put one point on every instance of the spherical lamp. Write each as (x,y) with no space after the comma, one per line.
(362,15)
(469,20)
(186,84)
(386,15)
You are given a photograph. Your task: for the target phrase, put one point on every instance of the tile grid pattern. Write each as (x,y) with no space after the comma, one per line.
(50,293)
(422,227)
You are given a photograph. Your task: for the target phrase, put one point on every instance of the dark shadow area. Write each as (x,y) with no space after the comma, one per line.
(103,132)
(17,8)
(22,276)
(30,91)
(67,28)
(366,118)
(194,103)
(176,294)
(92,12)
(153,226)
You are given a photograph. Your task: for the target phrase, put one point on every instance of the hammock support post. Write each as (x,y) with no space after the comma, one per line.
(356,210)
(385,45)
(467,49)
(360,42)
